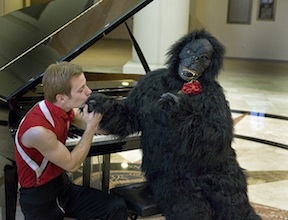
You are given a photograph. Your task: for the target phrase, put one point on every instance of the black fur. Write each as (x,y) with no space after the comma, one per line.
(186,141)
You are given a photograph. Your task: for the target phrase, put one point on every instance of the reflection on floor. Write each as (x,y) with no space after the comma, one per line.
(257,91)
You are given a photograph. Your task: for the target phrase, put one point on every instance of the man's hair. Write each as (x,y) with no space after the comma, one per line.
(57,79)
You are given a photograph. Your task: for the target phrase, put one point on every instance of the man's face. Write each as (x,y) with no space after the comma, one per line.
(79,92)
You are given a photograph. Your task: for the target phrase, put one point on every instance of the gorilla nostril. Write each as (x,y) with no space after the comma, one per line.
(195,58)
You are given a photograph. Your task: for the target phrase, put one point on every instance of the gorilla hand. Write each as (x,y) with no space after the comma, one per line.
(115,115)
(99,103)
(168,100)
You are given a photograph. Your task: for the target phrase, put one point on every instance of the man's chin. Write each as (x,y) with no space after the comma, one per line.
(82,106)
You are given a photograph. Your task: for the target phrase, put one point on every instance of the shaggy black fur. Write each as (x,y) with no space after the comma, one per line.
(187,156)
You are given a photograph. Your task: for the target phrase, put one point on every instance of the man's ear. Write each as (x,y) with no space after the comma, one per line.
(60,98)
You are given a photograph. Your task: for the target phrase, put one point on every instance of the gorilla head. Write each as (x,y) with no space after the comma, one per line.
(195,58)
(197,55)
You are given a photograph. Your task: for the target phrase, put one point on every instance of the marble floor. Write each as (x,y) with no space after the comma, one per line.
(258,94)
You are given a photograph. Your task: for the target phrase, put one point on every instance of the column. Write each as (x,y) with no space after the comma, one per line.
(156,27)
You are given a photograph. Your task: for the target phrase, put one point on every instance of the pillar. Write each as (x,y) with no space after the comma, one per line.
(156,27)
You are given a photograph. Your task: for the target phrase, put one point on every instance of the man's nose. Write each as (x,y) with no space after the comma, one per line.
(89,91)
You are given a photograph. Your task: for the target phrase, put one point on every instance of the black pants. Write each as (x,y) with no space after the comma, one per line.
(60,198)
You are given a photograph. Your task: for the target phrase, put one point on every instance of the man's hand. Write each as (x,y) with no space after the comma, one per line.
(92,119)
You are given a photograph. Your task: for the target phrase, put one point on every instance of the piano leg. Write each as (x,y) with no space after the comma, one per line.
(11,189)
(86,172)
(106,172)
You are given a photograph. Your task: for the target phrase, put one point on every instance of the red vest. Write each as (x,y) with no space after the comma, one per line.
(33,168)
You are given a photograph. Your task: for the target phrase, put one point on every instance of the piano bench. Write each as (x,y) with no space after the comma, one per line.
(139,199)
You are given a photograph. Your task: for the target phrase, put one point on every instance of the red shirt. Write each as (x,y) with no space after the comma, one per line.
(52,118)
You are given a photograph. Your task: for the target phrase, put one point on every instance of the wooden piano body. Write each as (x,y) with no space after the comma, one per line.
(34,37)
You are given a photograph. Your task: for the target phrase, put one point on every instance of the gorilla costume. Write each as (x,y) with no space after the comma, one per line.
(186,133)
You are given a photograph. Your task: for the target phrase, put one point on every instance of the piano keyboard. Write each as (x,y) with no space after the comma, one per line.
(75,136)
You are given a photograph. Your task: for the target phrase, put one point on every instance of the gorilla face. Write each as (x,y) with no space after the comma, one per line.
(195,57)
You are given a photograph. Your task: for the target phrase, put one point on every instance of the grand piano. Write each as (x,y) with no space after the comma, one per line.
(34,37)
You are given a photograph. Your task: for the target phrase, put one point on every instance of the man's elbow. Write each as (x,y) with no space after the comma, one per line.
(72,168)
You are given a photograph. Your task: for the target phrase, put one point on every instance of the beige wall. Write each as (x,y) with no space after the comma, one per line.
(258,40)
(7,6)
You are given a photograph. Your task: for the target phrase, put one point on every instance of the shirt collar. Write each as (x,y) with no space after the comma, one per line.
(59,112)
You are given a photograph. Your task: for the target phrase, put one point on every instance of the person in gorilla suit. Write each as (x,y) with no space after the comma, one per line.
(186,133)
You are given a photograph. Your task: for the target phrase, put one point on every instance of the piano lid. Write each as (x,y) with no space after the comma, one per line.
(34,37)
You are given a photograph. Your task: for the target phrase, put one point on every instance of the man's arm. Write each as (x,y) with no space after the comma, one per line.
(56,152)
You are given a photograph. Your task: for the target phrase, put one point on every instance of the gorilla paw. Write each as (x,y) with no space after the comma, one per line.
(168,100)
(98,103)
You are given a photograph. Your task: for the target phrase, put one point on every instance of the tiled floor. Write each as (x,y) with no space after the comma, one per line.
(256,90)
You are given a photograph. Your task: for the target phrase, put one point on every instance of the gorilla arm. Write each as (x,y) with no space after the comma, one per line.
(117,118)
(203,126)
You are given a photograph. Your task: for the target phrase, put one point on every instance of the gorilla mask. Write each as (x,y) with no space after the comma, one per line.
(195,58)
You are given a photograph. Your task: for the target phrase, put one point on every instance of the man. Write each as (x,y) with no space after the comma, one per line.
(42,158)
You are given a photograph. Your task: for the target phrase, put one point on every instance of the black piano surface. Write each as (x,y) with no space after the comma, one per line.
(34,37)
